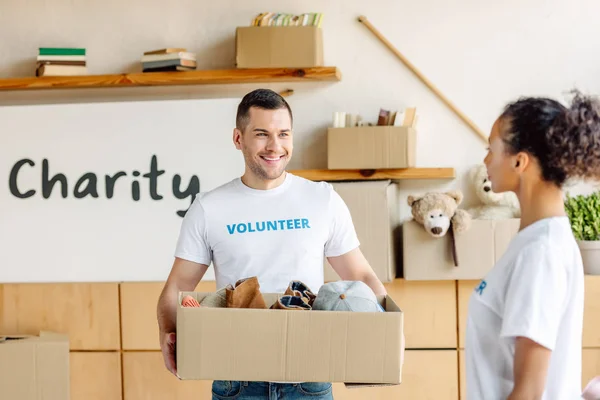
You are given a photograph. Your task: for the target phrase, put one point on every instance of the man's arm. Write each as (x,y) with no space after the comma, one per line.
(530,369)
(353,266)
(184,276)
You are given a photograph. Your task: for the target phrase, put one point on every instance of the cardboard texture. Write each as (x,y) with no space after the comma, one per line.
(34,367)
(290,345)
(428,258)
(375,214)
(371,147)
(279,47)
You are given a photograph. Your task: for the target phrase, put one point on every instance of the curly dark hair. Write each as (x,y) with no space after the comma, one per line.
(259,98)
(565,141)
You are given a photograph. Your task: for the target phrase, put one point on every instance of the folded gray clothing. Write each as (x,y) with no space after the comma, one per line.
(217,299)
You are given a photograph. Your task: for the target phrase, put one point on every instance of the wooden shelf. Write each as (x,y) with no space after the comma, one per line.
(197,77)
(365,175)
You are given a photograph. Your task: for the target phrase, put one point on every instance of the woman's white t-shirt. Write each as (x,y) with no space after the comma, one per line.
(535,290)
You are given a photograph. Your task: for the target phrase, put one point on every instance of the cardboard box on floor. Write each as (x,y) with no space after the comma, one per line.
(371,147)
(279,47)
(375,214)
(34,367)
(289,345)
(428,258)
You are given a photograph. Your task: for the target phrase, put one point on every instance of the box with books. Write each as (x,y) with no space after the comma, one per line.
(61,61)
(281,41)
(169,59)
(391,142)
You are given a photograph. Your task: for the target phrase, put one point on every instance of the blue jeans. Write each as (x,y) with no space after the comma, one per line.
(223,390)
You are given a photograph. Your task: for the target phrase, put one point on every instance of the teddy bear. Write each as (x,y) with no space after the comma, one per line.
(495,205)
(439,214)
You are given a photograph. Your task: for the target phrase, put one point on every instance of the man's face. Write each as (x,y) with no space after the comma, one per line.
(266,142)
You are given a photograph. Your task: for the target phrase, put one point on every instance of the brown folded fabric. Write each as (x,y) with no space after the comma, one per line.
(246,294)
(290,303)
(299,289)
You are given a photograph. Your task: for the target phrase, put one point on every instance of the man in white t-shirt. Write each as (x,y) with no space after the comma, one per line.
(267,223)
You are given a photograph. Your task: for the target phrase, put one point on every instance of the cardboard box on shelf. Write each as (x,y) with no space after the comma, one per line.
(34,367)
(356,348)
(428,258)
(374,209)
(279,47)
(371,147)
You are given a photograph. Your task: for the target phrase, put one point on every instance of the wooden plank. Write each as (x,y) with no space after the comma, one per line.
(462,374)
(138,313)
(591,322)
(145,377)
(427,374)
(362,175)
(196,77)
(465,289)
(429,312)
(95,376)
(87,312)
(590,365)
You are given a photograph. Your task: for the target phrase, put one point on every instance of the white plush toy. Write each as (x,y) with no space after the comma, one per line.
(495,205)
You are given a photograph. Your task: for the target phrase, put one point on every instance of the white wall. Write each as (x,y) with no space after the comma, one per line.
(481,54)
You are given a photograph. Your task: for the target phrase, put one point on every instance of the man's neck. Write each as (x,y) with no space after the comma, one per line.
(254,182)
(538,201)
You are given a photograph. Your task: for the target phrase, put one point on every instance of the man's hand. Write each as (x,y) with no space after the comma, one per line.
(167,345)
(353,266)
(185,276)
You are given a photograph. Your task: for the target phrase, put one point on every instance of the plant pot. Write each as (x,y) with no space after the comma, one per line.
(590,253)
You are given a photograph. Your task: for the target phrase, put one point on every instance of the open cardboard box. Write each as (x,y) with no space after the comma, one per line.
(34,367)
(478,249)
(356,348)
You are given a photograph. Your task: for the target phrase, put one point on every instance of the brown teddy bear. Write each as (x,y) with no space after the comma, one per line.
(438,212)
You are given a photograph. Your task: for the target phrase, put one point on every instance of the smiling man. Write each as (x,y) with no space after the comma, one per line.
(268,223)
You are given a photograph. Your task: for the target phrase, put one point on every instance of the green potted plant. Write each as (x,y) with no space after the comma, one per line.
(584,214)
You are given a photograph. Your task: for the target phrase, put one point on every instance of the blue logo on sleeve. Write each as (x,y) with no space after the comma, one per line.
(275,225)
(481,286)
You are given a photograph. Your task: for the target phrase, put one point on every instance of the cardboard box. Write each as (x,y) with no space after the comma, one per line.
(34,367)
(428,258)
(290,346)
(375,214)
(371,147)
(279,47)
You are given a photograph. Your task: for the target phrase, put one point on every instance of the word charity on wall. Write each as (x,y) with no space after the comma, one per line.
(95,185)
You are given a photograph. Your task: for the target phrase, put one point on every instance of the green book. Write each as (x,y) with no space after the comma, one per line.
(57,51)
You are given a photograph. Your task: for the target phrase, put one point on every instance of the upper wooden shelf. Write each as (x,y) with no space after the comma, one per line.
(378,174)
(197,77)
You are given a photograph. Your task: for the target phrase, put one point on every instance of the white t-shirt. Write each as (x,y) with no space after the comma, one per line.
(277,235)
(535,290)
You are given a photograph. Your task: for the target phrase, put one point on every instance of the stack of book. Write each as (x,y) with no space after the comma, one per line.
(275,19)
(55,61)
(171,59)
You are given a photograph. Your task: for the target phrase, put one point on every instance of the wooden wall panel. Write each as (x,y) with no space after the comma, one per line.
(591,318)
(465,290)
(427,374)
(95,376)
(138,313)
(590,367)
(87,312)
(145,377)
(429,312)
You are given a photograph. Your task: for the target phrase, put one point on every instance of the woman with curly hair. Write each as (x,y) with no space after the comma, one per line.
(525,318)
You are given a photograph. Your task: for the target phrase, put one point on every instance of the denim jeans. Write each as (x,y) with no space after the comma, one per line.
(223,390)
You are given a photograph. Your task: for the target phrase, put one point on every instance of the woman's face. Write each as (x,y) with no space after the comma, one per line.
(501,166)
